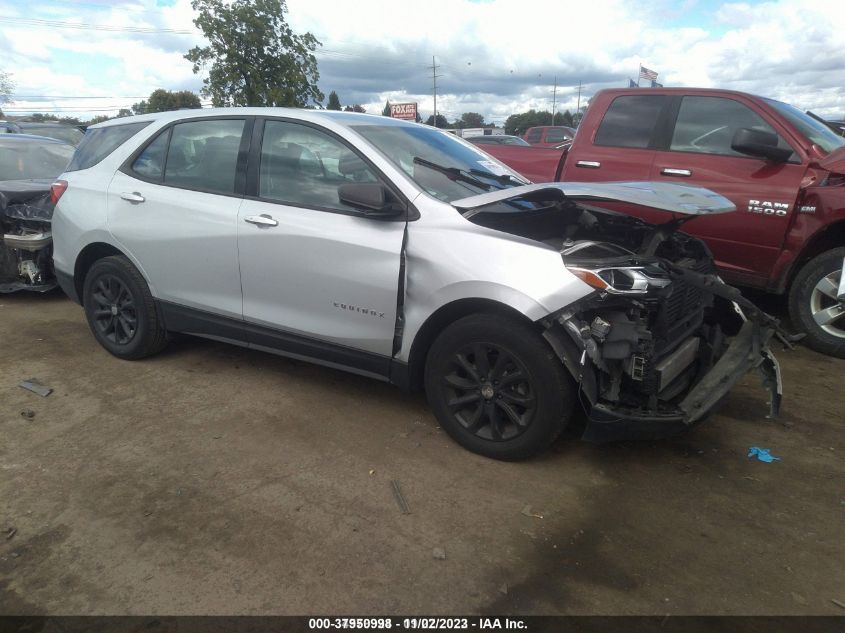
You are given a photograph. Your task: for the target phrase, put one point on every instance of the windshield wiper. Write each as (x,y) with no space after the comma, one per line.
(505,179)
(453,173)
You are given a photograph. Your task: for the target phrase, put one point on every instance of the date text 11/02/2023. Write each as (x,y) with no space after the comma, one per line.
(417,623)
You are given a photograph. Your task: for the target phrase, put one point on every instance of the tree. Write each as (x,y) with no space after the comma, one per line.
(6,87)
(255,57)
(386,111)
(334,101)
(123,112)
(518,123)
(472,119)
(164,100)
(441,121)
(354,108)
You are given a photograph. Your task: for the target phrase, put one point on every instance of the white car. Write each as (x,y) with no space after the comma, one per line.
(397,251)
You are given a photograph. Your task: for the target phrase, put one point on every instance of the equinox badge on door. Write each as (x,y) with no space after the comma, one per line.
(351,308)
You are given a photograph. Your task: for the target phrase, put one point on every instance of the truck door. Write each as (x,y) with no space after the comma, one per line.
(745,243)
(622,145)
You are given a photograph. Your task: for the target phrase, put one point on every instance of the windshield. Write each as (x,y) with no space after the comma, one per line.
(816,131)
(433,160)
(23,160)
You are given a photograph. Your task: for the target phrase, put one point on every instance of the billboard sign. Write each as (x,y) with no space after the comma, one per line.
(407,111)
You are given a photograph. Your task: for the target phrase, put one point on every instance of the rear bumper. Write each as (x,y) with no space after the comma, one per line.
(748,350)
(65,282)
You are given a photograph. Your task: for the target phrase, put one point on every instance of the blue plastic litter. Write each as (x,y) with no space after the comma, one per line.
(762,454)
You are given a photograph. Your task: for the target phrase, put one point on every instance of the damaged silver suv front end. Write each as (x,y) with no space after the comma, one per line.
(649,347)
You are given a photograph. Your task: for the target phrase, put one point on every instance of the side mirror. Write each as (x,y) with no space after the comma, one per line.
(374,199)
(759,143)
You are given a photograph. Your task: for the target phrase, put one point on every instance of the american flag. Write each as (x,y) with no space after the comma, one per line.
(645,73)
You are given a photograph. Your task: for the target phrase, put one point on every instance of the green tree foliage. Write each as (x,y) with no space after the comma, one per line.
(123,112)
(334,101)
(101,118)
(441,121)
(6,87)
(255,58)
(164,100)
(354,108)
(518,123)
(386,111)
(471,119)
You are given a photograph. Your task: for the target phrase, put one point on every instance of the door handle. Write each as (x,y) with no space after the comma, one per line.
(261,220)
(133,196)
(671,171)
(589,164)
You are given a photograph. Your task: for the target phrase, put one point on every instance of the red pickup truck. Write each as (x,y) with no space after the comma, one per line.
(783,169)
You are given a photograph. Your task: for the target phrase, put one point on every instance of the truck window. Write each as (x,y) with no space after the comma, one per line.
(534,135)
(556,135)
(630,121)
(706,125)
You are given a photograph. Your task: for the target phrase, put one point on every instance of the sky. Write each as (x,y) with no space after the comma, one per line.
(496,57)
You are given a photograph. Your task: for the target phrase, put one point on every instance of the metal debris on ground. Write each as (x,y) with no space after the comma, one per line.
(838,603)
(503,589)
(28,414)
(400,498)
(35,387)
(10,532)
(438,553)
(762,454)
(529,513)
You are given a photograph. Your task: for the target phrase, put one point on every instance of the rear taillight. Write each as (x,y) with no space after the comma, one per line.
(56,190)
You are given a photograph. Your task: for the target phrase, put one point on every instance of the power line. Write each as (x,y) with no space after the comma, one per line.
(82,26)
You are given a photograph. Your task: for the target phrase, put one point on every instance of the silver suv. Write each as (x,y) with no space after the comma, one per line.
(401,252)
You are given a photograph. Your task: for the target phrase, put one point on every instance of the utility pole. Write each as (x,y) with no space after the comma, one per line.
(434,77)
(554,101)
(578,110)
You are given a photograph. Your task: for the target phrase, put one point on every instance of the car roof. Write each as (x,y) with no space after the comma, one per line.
(305,114)
(31,138)
(45,123)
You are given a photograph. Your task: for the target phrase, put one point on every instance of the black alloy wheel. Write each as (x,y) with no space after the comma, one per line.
(497,387)
(489,392)
(121,311)
(115,315)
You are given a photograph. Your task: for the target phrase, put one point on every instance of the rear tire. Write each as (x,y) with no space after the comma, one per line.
(121,311)
(497,387)
(812,303)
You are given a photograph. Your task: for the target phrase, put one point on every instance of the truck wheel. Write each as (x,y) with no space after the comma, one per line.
(813,305)
(121,311)
(497,387)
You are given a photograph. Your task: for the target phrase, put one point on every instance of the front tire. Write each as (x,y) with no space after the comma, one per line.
(813,305)
(121,311)
(497,387)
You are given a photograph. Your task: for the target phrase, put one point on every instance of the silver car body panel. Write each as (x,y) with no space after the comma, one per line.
(682,199)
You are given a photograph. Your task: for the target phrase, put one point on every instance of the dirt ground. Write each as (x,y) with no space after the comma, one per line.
(217,480)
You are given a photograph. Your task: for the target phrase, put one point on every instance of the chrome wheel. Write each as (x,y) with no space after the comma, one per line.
(827,310)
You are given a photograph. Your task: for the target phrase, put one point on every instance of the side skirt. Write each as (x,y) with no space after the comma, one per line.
(212,326)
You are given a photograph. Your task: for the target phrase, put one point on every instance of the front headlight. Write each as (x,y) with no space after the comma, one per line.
(623,280)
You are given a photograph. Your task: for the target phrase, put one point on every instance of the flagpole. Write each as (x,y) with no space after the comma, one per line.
(639,72)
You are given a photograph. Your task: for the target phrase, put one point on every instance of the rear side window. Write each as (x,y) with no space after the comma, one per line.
(204,155)
(556,135)
(706,125)
(102,141)
(630,121)
(534,135)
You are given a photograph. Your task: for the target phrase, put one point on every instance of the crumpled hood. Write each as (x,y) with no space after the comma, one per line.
(835,161)
(670,197)
(26,200)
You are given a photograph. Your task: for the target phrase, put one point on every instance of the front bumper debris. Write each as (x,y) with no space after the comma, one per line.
(748,350)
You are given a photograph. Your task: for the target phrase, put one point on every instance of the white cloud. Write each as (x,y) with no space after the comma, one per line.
(496,57)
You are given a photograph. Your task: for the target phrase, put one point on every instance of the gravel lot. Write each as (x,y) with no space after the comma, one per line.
(213,480)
